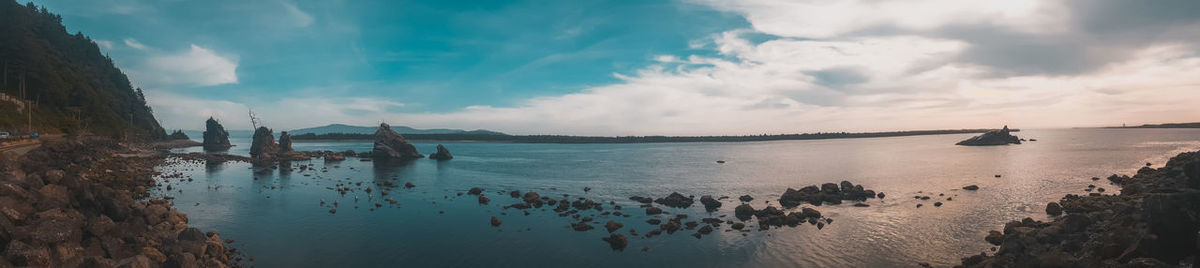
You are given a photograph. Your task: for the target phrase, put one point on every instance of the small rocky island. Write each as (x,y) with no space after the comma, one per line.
(390,145)
(992,138)
(441,154)
(215,136)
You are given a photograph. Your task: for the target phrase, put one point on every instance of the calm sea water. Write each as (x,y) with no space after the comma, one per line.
(277,218)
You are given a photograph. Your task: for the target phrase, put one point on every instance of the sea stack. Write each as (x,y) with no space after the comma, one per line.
(215,136)
(285,142)
(441,154)
(264,148)
(389,144)
(990,138)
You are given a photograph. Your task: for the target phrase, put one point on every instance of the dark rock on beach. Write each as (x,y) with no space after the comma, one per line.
(1153,222)
(991,138)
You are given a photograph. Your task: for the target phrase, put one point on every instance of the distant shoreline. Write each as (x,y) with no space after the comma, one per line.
(342,137)
(1167,125)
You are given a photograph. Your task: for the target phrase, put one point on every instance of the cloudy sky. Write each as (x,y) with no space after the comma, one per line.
(673,67)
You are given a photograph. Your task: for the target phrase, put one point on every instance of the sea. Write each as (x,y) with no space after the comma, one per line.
(283,218)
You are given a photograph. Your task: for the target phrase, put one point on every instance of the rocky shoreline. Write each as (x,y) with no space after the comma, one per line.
(1152,222)
(74,203)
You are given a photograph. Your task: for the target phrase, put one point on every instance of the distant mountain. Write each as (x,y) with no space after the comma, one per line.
(1168,125)
(348,129)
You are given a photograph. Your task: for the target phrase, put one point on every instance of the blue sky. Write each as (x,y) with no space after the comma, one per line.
(651,67)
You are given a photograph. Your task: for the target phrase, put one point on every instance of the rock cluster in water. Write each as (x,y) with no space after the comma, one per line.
(441,154)
(1153,222)
(994,137)
(54,217)
(215,136)
(263,147)
(828,193)
(390,145)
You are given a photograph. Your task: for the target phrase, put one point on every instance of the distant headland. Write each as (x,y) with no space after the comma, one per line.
(500,137)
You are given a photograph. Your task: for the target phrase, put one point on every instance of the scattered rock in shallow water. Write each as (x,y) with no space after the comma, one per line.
(746,198)
(617,241)
(744,212)
(409,185)
(654,221)
(919,205)
(937,204)
(653,211)
(484,200)
(475,191)
(332,211)
(495,221)
(828,193)
(879,195)
(1054,209)
(515,194)
(709,203)
(861,205)
(675,200)
(971,187)
(613,226)
(643,200)
(581,226)
(705,230)
(738,226)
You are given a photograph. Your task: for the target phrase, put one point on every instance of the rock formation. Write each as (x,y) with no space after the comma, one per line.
(827,193)
(389,144)
(285,142)
(994,137)
(215,136)
(1152,223)
(264,148)
(441,154)
(178,135)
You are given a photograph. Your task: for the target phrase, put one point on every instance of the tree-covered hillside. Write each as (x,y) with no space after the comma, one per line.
(71,85)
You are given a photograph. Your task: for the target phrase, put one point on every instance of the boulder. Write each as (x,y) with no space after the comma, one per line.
(653,211)
(675,200)
(613,226)
(495,221)
(215,136)
(746,198)
(617,241)
(441,154)
(390,145)
(744,212)
(971,187)
(710,203)
(991,138)
(1054,209)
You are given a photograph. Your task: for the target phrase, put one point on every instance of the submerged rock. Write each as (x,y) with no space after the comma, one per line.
(990,138)
(215,136)
(390,145)
(616,241)
(441,154)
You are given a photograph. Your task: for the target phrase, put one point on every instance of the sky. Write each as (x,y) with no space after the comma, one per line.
(655,67)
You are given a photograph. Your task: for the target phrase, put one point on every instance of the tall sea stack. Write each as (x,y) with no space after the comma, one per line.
(215,136)
(264,148)
(285,142)
(389,144)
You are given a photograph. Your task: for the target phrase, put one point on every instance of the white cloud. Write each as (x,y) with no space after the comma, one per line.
(134,44)
(298,17)
(105,44)
(195,67)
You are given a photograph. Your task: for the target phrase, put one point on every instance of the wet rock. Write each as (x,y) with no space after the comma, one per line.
(1054,209)
(653,211)
(991,138)
(654,221)
(937,204)
(390,145)
(971,187)
(746,198)
(285,142)
(613,226)
(675,200)
(531,197)
(515,194)
(738,226)
(441,154)
(617,241)
(709,203)
(994,237)
(581,226)
(744,212)
(483,200)
(215,136)
(495,221)
(828,193)
(705,229)
(475,191)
